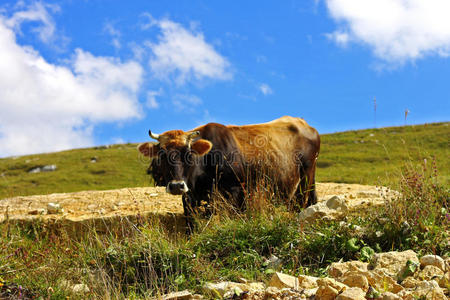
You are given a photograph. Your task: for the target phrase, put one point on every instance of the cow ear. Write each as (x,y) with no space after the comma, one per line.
(201,147)
(148,149)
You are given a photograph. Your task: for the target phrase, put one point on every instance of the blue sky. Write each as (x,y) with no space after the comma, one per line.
(82,73)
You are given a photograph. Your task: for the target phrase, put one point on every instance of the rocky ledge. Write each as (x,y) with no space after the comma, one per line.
(389,276)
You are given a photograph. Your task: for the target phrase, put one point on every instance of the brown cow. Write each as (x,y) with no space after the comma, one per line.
(231,159)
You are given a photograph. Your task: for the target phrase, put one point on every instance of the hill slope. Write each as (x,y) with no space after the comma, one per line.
(371,156)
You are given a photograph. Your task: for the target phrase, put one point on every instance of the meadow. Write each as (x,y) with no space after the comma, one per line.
(147,261)
(369,156)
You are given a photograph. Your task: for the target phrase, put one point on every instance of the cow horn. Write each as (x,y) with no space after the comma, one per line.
(193,135)
(153,135)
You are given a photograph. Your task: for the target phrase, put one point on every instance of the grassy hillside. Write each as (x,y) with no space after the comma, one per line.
(372,156)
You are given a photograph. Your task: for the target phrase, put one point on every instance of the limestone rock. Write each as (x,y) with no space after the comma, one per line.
(336,203)
(53,208)
(254,287)
(410,282)
(355,279)
(430,272)
(280,280)
(444,281)
(309,292)
(307,282)
(433,260)
(224,287)
(380,281)
(390,296)
(337,270)
(429,290)
(334,207)
(330,282)
(314,212)
(353,293)
(326,292)
(220,288)
(393,263)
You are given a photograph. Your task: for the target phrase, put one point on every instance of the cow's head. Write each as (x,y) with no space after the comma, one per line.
(174,156)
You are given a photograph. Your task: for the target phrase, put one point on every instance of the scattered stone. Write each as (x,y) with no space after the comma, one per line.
(336,203)
(393,263)
(48,168)
(307,282)
(337,270)
(410,282)
(353,293)
(433,260)
(310,292)
(379,280)
(255,286)
(444,281)
(94,159)
(331,283)
(429,290)
(80,288)
(280,280)
(54,208)
(326,293)
(430,272)
(313,212)
(229,288)
(355,279)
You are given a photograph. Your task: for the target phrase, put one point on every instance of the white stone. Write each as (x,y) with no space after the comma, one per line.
(53,208)
(433,260)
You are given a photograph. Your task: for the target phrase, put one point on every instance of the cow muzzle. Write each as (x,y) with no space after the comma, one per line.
(177,187)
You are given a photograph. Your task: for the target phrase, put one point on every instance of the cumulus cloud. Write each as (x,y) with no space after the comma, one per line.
(114,33)
(151,98)
(184,55)
(396,30)
(265,89)
(186,102)
(49,107)
(37,12)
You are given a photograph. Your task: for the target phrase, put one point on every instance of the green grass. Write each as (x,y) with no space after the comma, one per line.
(369,156)
(374,156)
(117,166)
(146,261)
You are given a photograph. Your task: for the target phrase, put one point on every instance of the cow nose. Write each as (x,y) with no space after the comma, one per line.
(177,187)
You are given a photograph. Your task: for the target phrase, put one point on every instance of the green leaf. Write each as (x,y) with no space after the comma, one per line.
(269,271)
(350,245)
(366,253)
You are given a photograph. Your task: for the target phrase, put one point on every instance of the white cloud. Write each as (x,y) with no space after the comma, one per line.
(49,107)
(340,38)
(37,12)
(151,98)
(396,30)
(184,55)
(114,33)
(265,89)
(186,102)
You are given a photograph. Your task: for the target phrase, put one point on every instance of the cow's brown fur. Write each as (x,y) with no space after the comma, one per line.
(284,150)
